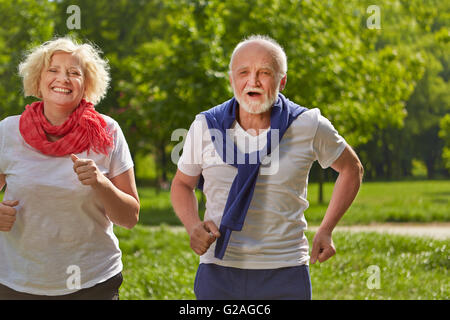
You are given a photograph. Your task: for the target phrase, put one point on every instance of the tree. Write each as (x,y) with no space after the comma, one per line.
(444,133)
(23,24)
(418,28)
(169,61)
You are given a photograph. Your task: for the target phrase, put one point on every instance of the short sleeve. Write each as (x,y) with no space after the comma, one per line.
(121,159)
(190,162)
(328,144)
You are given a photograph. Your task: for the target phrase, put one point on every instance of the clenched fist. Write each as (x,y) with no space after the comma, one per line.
(87,171)
(323,247)
(7,214)
(202,236)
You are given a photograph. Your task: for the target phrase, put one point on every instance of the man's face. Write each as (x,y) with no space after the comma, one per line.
(254,78)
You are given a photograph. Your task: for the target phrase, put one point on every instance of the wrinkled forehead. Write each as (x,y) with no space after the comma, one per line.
(255,53)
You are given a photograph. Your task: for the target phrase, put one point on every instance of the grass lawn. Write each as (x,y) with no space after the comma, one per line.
(405,201)
(158,264)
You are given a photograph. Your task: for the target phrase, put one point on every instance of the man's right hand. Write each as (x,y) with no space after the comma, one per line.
(202,236)
(7,214)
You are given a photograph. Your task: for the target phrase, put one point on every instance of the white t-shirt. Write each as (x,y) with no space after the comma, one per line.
(61,230)
(273,232)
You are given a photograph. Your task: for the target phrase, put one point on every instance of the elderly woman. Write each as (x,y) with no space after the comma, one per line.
(69,177)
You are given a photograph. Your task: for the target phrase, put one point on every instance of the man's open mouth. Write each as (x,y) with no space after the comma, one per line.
(253,93)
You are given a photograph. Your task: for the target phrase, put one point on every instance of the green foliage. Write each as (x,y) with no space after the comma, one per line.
(444,133)
(145,167)
(420,29)
(418,169)
(23,24)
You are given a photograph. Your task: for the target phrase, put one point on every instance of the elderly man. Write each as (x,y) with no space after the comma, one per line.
(251,156)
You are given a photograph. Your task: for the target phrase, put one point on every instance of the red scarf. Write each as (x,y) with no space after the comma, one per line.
(84,130)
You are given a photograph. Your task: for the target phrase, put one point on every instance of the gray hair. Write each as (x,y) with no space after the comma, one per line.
(279,54)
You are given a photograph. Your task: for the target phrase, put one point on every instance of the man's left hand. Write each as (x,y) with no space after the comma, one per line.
(323,247)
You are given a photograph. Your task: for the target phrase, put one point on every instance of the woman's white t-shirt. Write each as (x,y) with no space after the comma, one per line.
(273,232)
(62,240)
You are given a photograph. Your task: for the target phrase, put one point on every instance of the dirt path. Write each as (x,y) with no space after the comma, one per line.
(439,231)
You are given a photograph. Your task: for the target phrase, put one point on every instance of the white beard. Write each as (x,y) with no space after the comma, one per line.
(257,108)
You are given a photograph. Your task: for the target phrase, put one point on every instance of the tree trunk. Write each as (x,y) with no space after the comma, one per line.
(320,200)
(429,162)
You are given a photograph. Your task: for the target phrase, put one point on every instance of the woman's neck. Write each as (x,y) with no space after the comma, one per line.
(56,114)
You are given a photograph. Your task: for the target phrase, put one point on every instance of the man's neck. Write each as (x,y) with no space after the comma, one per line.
(256,122)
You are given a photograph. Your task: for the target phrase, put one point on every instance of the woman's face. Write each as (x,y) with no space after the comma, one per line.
(62,82)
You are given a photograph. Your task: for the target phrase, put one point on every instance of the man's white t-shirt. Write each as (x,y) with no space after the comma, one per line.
(62,237)
(273,232)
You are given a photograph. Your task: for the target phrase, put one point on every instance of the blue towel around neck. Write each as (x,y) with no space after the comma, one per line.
(221,118)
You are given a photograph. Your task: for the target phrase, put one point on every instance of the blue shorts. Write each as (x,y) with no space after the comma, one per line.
(214,282)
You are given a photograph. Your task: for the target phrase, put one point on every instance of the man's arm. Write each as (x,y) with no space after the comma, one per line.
(345,190)
(184,202)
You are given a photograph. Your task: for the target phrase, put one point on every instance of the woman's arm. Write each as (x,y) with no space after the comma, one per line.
(120,198)
(118,195)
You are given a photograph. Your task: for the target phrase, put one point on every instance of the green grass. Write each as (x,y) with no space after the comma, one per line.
(377,202)
(158,264)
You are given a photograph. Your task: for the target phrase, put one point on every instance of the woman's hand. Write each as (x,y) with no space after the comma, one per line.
(119,195)
(87,171)
(7,214)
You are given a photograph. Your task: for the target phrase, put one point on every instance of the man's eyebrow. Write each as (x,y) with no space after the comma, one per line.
(264,67)
(241,68)
(267,68)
